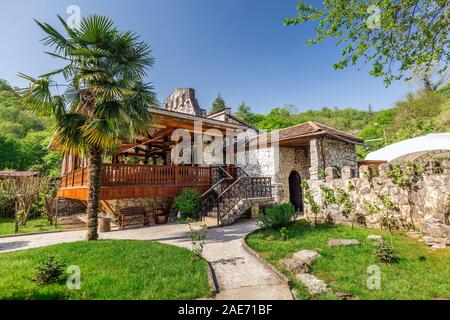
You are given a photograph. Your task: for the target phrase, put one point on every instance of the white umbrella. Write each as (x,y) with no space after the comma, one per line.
(437,144)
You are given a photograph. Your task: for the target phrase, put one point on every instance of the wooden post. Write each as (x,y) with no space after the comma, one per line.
(56,213)
(16,223)
(211,173)
(82,176)
(176,178)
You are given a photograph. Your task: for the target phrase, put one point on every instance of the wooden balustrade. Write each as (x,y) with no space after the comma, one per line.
(131,175)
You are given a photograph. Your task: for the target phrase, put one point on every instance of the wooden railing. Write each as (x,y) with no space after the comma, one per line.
(131,175)
(75,178)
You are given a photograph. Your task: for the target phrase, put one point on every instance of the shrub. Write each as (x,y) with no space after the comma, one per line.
(49,271)
(198,239)
(278,216)
(7,198)
(284,235)
(188,202)
(385,252)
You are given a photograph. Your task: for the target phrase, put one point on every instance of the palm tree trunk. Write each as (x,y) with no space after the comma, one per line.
(95,171)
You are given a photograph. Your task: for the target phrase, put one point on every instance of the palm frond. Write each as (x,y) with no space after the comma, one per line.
(54,38)
(102,133)
(38,97)
(68,135)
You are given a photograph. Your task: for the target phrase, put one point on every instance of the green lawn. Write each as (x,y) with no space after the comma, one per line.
(111,270)
(7,226)
(419,274)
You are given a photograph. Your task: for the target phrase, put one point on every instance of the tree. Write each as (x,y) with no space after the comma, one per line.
(9,150)
(278,118)
(218,104)
(244,112)
(395,36)
(105,99)
(4,85)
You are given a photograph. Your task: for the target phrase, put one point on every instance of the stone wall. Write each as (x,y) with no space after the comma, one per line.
(150,204)
(340,154)
(68,207)
(373,196)
(325,152)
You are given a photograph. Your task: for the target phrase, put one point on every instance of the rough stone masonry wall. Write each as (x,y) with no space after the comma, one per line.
(150,204)
(325,152)
(430,202)
(340,154)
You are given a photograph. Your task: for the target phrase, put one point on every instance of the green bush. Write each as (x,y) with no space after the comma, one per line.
(49,271)
(188,203)
(278,216)
(385,252)
(7,199)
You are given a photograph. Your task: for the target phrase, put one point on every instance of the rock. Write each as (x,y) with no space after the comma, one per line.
(306,256)
(343,295)
(374,237)
(294,266)
(313,284)
(414,235)
(342,242)
(434,227)
(437,243)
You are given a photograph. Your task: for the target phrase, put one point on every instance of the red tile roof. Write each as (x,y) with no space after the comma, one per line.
(314,128)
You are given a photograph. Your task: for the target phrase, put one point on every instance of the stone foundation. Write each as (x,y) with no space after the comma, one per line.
(67,207)
(150,205)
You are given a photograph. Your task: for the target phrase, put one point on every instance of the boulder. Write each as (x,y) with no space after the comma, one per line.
(294,266)
(306,256)
(313,284)
(434,227)
(414,235)
(343,242)
(375,237)
(437,243)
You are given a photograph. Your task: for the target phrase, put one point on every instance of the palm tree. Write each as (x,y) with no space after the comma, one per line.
(103,99)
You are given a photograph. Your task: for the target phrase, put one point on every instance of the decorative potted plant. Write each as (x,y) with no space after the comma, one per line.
(188,204)
(161,217)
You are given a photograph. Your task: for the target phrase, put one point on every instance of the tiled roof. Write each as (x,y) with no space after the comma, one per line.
(311,128)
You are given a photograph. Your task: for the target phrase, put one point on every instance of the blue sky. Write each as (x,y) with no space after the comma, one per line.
(239,48)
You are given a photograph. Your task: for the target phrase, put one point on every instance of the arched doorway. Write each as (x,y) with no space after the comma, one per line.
(295,191)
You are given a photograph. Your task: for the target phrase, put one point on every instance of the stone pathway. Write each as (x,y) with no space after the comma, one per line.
(240,275)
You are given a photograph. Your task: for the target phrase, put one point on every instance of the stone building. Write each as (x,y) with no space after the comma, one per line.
(149,171)
(301,152)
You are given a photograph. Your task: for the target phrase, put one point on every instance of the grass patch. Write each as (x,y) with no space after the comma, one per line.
(36,225)
(110,270)
(419,274)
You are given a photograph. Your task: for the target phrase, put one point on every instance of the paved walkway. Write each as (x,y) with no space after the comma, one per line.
(240,275)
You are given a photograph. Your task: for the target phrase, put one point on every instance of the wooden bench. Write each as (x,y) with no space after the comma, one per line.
(133,214)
